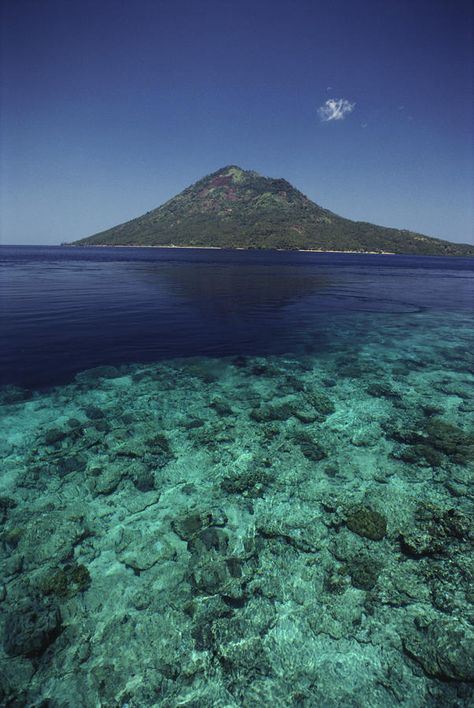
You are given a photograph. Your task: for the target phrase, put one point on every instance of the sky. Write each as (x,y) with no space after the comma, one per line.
(111,107)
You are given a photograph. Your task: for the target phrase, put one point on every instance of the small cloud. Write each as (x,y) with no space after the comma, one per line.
(335,109)
(363,125)
(329,88)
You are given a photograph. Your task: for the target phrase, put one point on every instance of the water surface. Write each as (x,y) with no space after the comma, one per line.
(236,479)
(64,310)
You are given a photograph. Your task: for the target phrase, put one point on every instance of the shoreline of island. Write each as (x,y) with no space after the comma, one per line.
(236,248)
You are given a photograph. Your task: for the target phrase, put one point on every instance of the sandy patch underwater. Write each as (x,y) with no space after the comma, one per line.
(292,529)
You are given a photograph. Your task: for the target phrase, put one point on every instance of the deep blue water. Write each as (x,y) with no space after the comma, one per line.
(64,310)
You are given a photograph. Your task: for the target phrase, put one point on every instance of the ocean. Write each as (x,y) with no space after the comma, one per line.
(235,478)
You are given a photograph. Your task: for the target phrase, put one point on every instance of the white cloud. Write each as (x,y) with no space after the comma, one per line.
(335,109)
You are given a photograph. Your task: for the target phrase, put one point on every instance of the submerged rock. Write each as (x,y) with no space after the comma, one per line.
(419,454)
(190,524)
(31,629)
(266,414)
(382,390)
(6,503)
(80,577)
(310,448)
(73,463)
(443,648)
(160,448)
(250,483)
(91,376)
(240,362)
(221,408)
(67,582)
(51,536)
(11,537)
(204,613)
(204,371)
(55,435)
(102,426)
(94,413)
(55,584)
(350,367)
(335,581)
(364,572)
(143,480)
(430,410)
(321,404)
(210,538)
(451,440)
(434,529)
(366,436)
(432,437)
(262,370)
(193,423)
(13,394)
(105,481)
(212,574)
(367,523)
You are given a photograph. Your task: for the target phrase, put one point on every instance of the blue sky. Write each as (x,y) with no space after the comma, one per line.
(110,107)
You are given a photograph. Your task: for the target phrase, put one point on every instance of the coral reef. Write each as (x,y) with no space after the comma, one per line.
(187,532)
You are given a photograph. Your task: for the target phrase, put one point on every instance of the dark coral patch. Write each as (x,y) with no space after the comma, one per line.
(310,448)
(451,440)
(367,523)
(67,582)
(364,573)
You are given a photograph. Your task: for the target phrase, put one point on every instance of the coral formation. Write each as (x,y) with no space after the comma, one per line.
(236,535)
(368,523)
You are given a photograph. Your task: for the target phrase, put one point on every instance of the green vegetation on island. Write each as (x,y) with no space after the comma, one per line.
(234,208)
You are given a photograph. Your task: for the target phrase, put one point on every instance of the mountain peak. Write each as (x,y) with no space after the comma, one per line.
(231,169)
(237,208)
(233,172)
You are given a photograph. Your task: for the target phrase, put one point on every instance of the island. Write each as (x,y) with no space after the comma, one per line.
(236,208)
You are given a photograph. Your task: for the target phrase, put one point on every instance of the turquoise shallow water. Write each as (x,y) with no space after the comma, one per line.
(290,526)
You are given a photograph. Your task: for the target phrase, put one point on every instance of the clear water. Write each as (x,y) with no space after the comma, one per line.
(235,478)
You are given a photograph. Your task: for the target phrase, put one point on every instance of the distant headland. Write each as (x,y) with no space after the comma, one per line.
(236,208)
